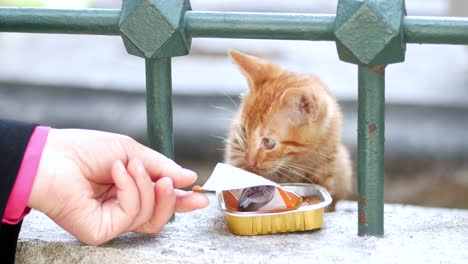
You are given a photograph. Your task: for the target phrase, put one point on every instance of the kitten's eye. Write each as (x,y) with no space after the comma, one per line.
(268,143)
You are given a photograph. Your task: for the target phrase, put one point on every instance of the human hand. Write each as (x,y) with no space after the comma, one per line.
(98,185)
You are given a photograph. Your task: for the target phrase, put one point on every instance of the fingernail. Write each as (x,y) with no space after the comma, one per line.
(188,173)
(203,202)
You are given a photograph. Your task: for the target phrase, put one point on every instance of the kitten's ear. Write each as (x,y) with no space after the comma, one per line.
(300,106)
(255,69)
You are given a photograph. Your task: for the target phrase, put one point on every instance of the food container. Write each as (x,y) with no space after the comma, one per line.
(306,217)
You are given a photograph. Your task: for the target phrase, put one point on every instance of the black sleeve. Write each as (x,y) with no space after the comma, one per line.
(14,138)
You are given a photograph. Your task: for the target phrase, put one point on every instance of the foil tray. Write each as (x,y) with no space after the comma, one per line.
(307,217)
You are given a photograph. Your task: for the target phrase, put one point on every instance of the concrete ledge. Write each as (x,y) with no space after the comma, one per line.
(413,235)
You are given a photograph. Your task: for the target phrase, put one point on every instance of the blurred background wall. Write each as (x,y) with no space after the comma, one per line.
(91,82)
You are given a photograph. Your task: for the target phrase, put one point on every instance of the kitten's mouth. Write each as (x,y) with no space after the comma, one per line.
(264,172)
(259,170)
(255,169)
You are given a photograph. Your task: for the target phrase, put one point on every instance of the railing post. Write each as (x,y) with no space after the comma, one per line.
(159,105)
(370,33)
(371,127)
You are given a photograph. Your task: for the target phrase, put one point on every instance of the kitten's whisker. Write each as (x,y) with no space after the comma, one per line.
(292,165)
(225,140)
(220,137)
(300,175)
(274,175)
(300,167)
(240,140)
(292,169)
(220,118)
(320,157)
(312,176)
(238,148)
(224,108)
(240,136)
(309,168)
(316,157)
(236,151)
(288,170)
(285,175)
(230,150)
(322,154)
(233,144)
(231,100)
(294,179)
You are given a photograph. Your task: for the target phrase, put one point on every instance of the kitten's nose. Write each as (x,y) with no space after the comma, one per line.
(254,167)
(252,164)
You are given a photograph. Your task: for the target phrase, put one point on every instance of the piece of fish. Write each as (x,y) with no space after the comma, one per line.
(254,198)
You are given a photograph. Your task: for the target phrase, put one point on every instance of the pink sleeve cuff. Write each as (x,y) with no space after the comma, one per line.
(16,208)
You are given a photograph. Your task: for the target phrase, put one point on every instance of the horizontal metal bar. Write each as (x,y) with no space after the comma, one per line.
(42,20)
(430,30)
(260,25)
(436,30)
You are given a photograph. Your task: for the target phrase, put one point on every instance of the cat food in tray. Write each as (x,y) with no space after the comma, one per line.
(254,205)
(308,216)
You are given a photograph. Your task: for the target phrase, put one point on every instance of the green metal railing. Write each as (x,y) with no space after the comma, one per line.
(369,33)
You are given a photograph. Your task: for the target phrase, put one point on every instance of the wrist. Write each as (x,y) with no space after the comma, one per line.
(38,197)
(41,197)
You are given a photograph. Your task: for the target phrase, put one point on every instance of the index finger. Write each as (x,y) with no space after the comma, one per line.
(158,166)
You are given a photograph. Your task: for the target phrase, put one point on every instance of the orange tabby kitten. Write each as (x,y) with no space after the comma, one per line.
(288,129)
